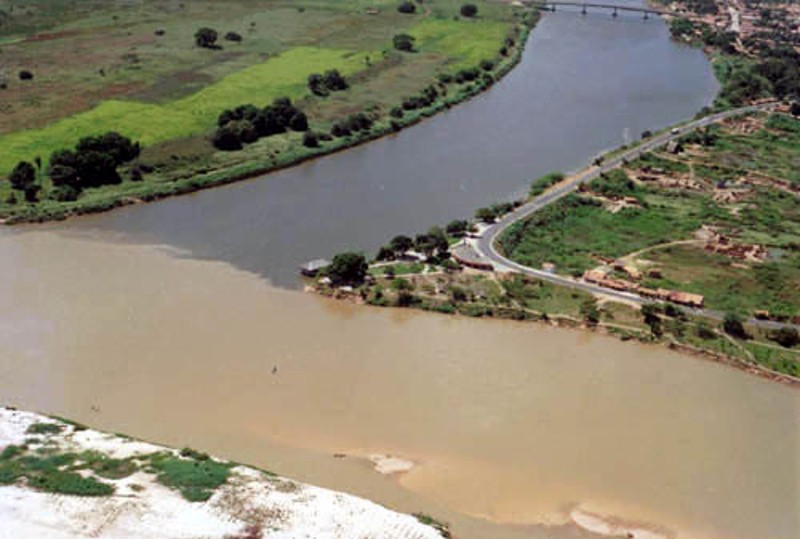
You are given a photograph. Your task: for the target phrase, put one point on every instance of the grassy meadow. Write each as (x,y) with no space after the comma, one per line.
(134,68)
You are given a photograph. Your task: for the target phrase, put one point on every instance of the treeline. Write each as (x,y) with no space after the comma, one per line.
(247,123)
(92,163)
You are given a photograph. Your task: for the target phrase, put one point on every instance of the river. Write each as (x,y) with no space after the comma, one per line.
(164,322)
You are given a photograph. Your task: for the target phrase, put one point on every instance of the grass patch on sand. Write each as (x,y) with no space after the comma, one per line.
(195,478)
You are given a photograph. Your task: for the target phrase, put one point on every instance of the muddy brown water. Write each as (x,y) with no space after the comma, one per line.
(164,322)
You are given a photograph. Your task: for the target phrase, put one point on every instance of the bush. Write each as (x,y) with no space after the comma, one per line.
(206,38)
(25,75)
(403,42)
(787,337)
(195,479)
(469,10)
(407,7)
(310,139)
(227,138)
(487,65)
(233,36)
(23,176)
(734,326)
(65,193)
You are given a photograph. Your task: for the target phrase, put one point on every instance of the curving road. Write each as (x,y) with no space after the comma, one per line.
(485,245)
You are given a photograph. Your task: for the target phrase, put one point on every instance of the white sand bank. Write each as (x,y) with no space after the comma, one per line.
(141,508)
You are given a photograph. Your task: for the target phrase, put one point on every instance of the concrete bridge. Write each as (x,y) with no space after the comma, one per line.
(552,5)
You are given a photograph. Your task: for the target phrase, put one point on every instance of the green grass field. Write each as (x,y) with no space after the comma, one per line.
(283,75)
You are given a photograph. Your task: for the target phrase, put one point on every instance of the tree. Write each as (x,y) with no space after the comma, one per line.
(310,139)
(469,10)
(401,244)
(23,177)
(348,268)
(121,149)
(590,311)
(407,7)
(787,337)
(734,326)
(457,227)
(650,313)
(403,42)
(795,109)
(438,238)
(233,36)
(704,331)
(298,122)
(487,215)
(25,75)
(227,138)
(206,38)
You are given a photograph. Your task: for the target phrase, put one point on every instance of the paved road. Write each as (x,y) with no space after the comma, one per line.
(485,245)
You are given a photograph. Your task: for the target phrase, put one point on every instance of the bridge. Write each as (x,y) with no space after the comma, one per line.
(551,5)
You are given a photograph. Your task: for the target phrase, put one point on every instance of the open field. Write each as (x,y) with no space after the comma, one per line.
(135,69)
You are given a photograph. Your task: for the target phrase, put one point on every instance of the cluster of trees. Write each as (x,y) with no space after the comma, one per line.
(495,211)
(330,81)
(433,243)
(352,124)
(92,163)
(426,98)
(247,123)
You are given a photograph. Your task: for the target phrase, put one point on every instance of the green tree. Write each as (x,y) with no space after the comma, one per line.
(487,215)
(590,311)
(403,42)
(733,325)
(469,10)
(401,244)
(348,268)
(457,227)
(23,177)
(206,38)
(406,7)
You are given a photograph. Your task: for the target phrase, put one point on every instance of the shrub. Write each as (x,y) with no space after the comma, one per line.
(227,138)
(298,122)
(195,480)
(396,112)
(59,482)
(734,326)
(469,10)
(487,65)
(330,81)
(65,193)
(787,337)
(406,7)
(23,176)
(25,75)
(233,36)
(310,139)
(206,38)
(403,42)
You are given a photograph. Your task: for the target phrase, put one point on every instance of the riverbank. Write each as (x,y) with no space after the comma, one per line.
(634,258)
(60,480)
(178,168)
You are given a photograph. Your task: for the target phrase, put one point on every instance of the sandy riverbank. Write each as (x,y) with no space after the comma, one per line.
(249,505)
